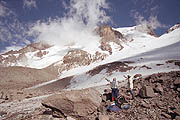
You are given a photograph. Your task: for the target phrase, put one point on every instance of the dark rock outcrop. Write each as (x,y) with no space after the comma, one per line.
(109,35)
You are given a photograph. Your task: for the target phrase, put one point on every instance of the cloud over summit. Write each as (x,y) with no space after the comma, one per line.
(76,26)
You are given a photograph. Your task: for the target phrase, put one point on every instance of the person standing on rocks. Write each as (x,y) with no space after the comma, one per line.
(115,91)
(130,85)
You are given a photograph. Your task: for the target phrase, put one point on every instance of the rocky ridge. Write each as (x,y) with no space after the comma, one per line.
(11,58)
(73,58)
(176,26)
(109,35)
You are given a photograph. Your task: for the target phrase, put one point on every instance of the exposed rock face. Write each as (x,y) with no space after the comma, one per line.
(40,53)
(151,32)
(98,56)
(176,26)
(12,57)
(77,57)
(109,35)
(79,104)
(34,47)
(110,67)
(72,59)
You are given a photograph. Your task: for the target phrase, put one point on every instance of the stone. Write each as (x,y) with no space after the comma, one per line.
(171,86)
(2,101)
(104,97)
(178,89)
(146,92)
(19,92)
(137,76)
(177,111)
(144,104)
(157,81)
(159,88)
(70,118)
(2,113)
(166,115)
(102,109)
(103,117)
(77,103)
(177,63)
(177,82)
(177,118)
(28,96)
(145,119)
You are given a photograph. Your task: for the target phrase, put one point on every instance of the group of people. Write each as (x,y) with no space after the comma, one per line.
(115,90)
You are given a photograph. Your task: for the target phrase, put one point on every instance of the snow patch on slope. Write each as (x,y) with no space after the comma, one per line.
(143,50)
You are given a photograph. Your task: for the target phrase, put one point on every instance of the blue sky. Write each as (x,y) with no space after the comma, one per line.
(19,19)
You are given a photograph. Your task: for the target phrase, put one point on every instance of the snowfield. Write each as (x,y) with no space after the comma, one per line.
(143,50)
(140,47)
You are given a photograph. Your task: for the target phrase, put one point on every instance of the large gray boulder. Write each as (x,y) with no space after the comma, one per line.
(146,92)
(78,103)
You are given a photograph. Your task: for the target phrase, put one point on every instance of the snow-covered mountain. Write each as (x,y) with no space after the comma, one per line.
(120,51)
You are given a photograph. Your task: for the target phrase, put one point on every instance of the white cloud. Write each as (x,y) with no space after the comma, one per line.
(29,4)
(4,10)
(76,26)
(13,32)
(152,21)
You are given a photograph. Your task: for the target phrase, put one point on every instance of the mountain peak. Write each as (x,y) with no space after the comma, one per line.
(109,35)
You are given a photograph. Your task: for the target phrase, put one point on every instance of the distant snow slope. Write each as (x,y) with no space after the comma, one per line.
(143,50)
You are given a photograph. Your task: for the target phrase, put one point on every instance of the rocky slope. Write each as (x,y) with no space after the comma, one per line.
(28,93)
(157,96)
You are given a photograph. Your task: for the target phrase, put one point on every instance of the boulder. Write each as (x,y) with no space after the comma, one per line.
(2,113)
(177,111)
(2,101)
(177,82)
(159,88)
(137,76)
(77,103)
(103,117)
(178,89)
(19,92)
(146,92)
(166,115)
(144,104)
(70,118)
(177,118)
